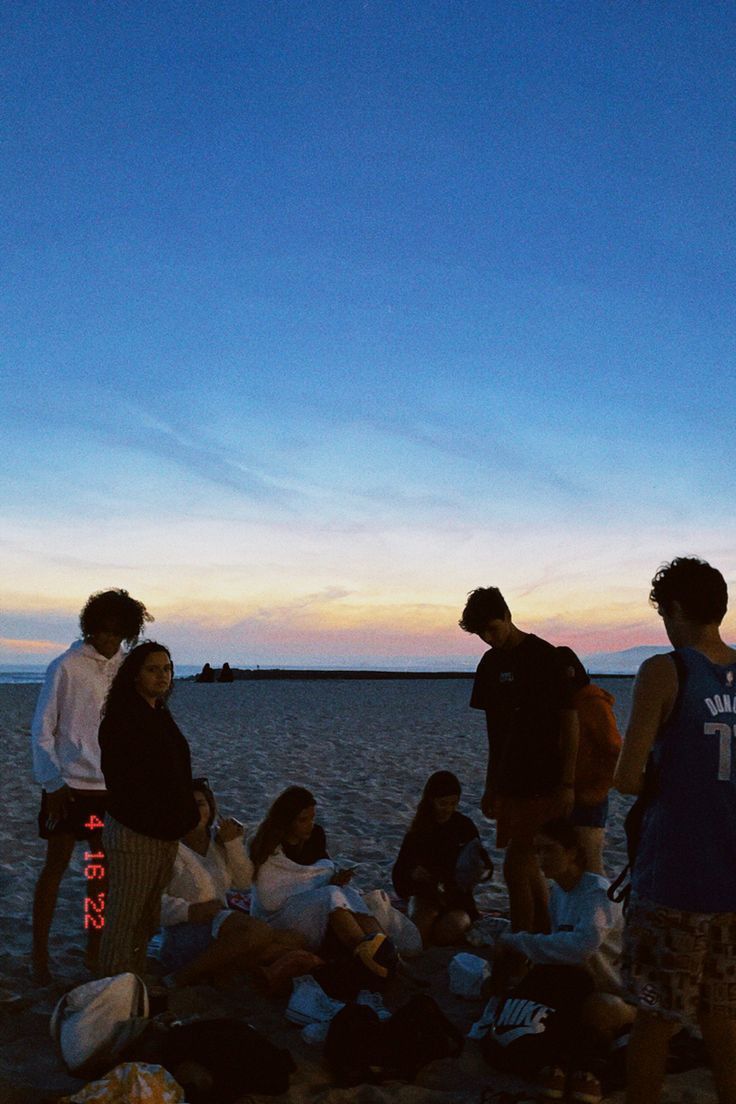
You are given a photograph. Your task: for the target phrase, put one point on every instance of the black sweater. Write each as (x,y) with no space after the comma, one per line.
(148,771)
(436,848)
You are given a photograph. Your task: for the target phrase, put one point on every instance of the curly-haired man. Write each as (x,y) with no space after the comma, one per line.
(66,752)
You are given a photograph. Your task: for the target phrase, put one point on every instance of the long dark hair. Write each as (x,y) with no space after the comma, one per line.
(123,690)
(439,784)
(272,830)
(202,785)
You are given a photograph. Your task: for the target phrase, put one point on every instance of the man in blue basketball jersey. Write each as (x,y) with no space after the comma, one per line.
(680,940)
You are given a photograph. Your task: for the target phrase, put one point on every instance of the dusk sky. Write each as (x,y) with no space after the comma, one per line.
(317,315)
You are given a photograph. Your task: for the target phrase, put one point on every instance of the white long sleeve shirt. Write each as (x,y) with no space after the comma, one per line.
(64,729)
(586,931)
(197,878)
(281,878)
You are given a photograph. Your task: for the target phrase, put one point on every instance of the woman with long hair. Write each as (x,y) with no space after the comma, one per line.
(201,935)
(297,885)
(434,869)
(147,768)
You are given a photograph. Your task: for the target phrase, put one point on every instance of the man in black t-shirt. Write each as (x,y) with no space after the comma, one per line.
(525,688)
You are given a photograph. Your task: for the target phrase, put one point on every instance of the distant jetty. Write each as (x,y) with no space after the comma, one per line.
(261,674)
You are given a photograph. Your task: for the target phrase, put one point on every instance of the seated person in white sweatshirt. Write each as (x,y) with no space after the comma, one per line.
(201,936)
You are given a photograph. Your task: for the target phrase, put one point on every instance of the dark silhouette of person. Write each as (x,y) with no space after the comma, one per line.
(226,674)
(206,674)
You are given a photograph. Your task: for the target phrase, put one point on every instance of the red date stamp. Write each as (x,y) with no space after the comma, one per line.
(94,903)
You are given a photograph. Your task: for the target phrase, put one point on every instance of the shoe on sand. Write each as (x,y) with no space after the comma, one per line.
(378,954)
(310,1004)
(374,1001)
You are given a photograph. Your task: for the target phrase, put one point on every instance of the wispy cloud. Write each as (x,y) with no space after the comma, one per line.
(33,647)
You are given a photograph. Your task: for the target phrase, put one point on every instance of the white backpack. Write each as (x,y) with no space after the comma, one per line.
(92,1024)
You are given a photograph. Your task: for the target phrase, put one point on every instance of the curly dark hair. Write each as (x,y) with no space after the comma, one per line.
(123,691)
(272,830)
(440,784)
(116,608)
(483,605)
(699,588)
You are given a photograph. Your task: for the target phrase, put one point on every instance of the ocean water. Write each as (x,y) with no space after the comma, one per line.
(16,674)
(12,674)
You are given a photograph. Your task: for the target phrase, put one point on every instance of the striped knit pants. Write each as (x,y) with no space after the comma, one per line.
(139,869)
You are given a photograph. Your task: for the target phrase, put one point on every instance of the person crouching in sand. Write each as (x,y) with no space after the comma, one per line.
(298,887)
(434,868)
(201,935)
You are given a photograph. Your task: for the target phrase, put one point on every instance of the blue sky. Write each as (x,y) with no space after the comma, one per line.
(320,315)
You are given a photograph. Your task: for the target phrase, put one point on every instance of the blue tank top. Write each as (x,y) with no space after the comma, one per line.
(687,852)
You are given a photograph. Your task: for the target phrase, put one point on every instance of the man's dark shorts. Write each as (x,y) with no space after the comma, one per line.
(590,816)
(86,804)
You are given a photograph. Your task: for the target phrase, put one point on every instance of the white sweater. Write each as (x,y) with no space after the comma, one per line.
(199,878)
(67,718)
(280,878)
(586,931)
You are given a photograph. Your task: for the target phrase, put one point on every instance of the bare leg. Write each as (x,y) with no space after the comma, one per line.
(450,927)
(528,894)
(591,841)
(647,1057)
(350,928)
(423,915)
(58,854)
(243,943)
(605,1015)
(720,1038)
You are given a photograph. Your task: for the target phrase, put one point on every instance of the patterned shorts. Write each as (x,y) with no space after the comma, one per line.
(680,965)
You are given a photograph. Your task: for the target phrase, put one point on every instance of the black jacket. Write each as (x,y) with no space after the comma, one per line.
(148,771)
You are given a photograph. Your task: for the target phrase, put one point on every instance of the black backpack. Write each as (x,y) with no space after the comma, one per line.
(360,1048)
(417,1033)
(218,1061)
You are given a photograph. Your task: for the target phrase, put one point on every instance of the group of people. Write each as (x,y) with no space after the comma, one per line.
(107,749)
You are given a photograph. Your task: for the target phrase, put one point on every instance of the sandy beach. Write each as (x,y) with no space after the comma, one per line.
(365,749)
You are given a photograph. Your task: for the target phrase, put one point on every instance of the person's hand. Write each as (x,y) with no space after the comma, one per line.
(488,804)
(565,801)
(341,877)
(58,805)
(204,911)
(229,829)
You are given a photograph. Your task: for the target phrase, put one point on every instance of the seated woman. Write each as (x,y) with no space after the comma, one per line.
(427,872)
(298,887)
(201,936)
(575,964)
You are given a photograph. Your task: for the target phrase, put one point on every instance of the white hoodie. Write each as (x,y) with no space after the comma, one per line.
(67,719)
